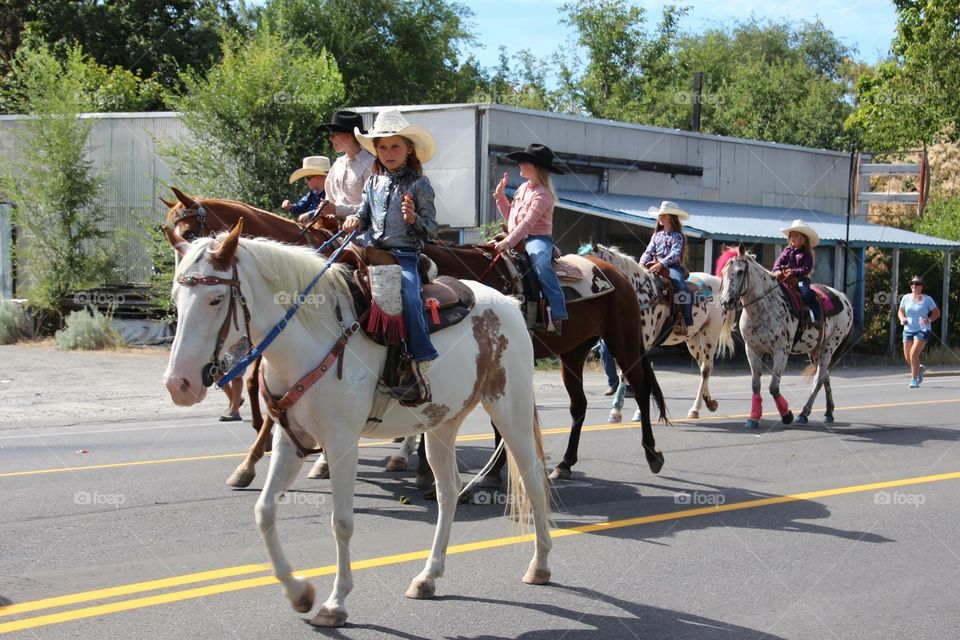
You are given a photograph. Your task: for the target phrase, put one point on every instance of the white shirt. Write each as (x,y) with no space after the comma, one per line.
(345,182)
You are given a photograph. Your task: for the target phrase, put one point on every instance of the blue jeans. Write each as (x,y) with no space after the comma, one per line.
(684,297)
(540,250)
(809,297)
(609,364)
(414,320)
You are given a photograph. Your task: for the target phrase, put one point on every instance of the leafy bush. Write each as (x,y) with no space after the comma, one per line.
(87,330)
(11,321)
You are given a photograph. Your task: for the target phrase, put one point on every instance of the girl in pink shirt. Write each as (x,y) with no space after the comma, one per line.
(530,218)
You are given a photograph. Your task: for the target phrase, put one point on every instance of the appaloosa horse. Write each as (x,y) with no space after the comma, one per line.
(485,359)
(770,328)
(704,339)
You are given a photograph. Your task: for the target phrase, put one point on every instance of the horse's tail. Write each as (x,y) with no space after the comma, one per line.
(725,346)
(519,508)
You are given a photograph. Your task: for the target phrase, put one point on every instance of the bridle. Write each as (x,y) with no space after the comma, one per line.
(212,371)
(743,287)
(200,213)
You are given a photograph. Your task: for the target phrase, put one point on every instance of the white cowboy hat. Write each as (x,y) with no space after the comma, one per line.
(392,123)
(669,208)
(312,166)
(813,238)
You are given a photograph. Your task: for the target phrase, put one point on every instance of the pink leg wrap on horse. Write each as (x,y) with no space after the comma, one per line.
(782,405)
(756,407)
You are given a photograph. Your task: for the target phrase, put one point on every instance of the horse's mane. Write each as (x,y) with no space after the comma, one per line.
(286,269)
(722,261)
(622,261)
(207,201)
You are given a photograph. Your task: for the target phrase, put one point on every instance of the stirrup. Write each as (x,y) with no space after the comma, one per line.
(414,389)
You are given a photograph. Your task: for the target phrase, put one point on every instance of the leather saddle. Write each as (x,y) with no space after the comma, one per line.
(446,300)
(697,289)
(829,303)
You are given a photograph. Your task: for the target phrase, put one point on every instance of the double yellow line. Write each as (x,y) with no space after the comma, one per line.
(227,585)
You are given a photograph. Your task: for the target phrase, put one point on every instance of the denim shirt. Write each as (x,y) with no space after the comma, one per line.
(380,210)
(308,202)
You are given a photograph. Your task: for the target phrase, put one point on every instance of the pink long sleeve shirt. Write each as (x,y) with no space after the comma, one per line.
(531,213)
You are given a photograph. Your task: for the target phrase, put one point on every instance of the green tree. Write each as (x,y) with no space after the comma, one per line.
(253,117)
(389,51)
(53,186)
(912,99)
(155,40)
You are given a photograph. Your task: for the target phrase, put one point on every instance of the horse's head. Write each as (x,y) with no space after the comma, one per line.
(732,269)
(205,291)
(187,217)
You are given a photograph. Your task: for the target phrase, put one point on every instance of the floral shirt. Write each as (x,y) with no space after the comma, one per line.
(345,182)
(666,247)
(380,210)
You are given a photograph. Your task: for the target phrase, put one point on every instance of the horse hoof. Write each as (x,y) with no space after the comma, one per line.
(636,416)
(752,424)
(421,590)
(304,603)
(537,576)
(614,418)
(329,618)
(490,481)
(396,463)
(424,480)
(655,460)
(240,479)
(802,419)
(693,414)
(787,418)
(712,404)
(828,418)
(560,473)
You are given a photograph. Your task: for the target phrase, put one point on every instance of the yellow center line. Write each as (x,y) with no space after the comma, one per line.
(249,583)
(479,437)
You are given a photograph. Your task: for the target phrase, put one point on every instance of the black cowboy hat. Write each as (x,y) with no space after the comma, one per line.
(918,280)
(345,121)
(538,154)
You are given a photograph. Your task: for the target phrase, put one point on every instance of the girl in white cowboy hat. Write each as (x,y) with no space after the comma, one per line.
(668,251)
(530,218)
(797,259)
(315,170)
(916,313)
(399,212)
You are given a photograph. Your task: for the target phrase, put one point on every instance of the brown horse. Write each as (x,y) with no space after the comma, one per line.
(615,317)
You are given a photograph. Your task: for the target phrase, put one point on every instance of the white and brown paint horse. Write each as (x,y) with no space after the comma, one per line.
(485,359)
(710,334)
(769,328)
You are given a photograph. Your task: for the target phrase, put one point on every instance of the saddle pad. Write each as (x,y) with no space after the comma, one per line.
(567,269)
(828,300)
(592,284)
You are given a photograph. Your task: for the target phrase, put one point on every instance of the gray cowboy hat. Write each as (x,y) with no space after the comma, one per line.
(538,154)
(345,121)
(918,280)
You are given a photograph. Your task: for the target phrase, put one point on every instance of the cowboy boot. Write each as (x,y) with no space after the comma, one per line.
(414,388)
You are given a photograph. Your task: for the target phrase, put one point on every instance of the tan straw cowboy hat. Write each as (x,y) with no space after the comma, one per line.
(669,208)
(312,166)
(392,123)
(813,238)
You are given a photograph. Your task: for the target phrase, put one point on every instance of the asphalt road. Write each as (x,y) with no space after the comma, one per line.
(826,531)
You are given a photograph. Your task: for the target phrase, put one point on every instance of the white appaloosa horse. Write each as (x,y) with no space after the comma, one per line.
(710,334)
(770,328)
(485,359)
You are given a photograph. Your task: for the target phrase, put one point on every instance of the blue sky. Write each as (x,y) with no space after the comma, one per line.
(866,25)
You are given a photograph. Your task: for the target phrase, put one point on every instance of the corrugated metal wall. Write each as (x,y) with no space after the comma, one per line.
(123,148)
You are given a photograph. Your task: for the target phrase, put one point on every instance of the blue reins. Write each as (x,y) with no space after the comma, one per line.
(257,350)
